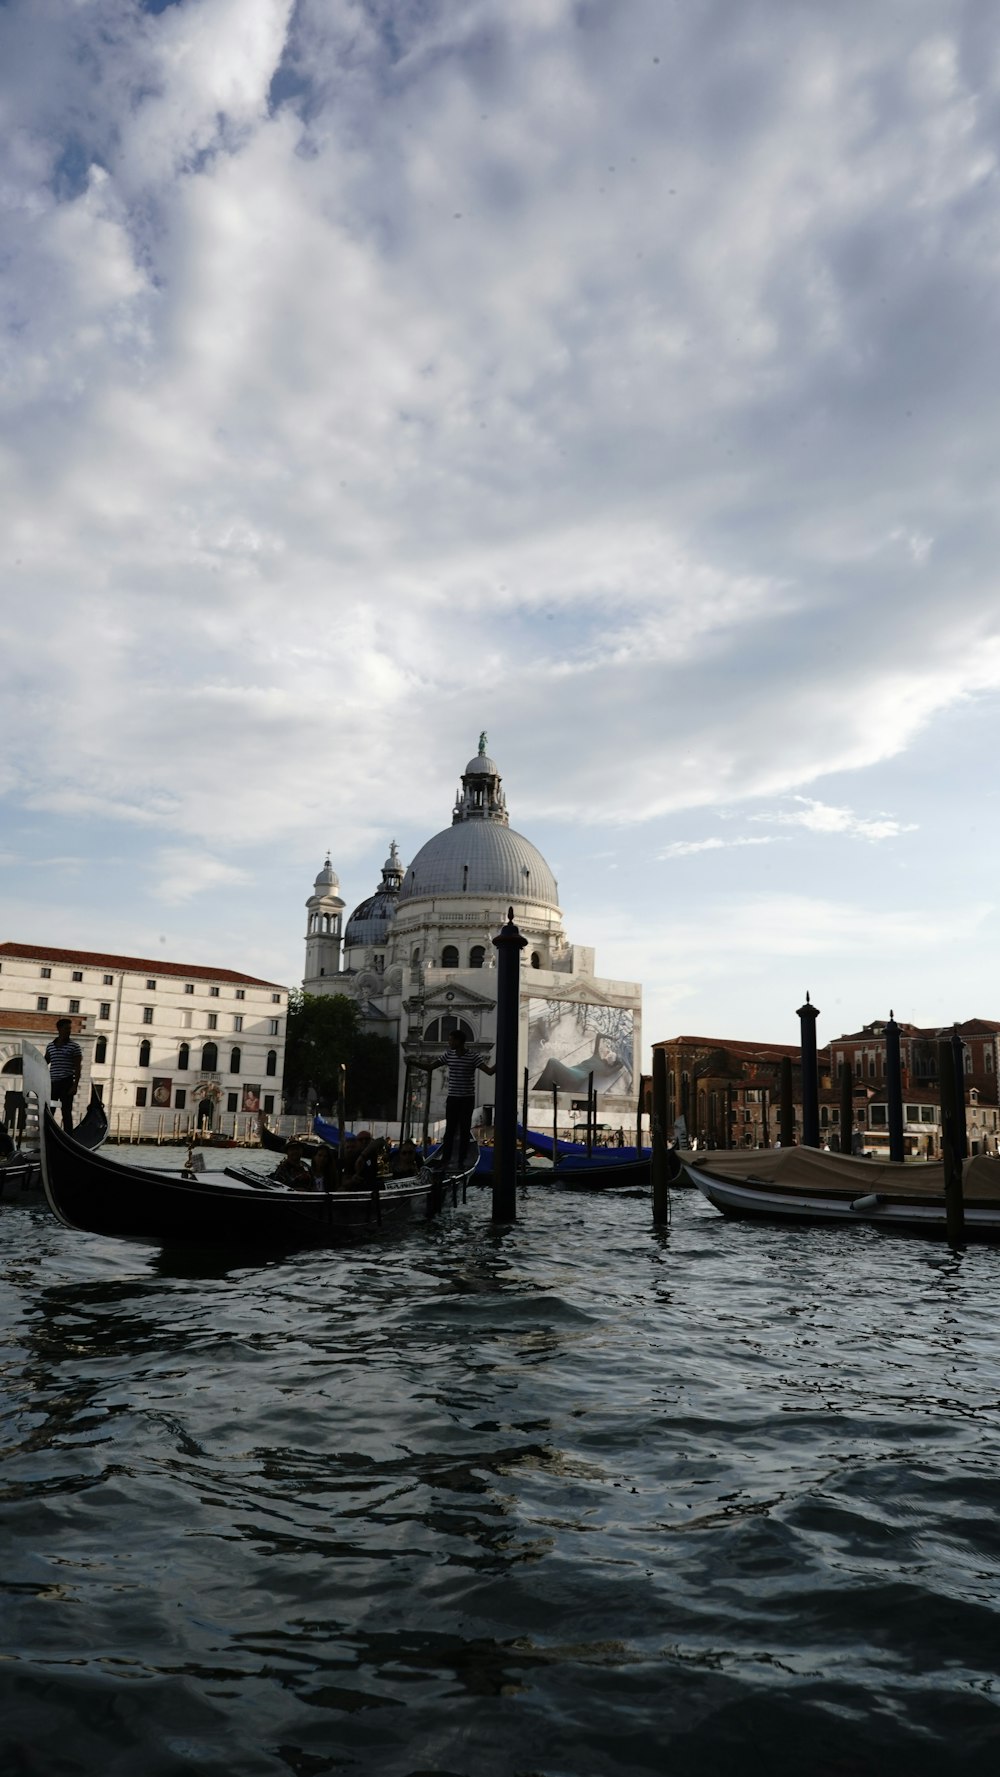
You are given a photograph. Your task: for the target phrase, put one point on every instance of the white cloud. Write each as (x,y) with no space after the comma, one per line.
(820,817)
(685,848)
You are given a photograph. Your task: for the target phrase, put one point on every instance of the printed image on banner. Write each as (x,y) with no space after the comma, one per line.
(251,1098)
(162,1089)
(569,1040)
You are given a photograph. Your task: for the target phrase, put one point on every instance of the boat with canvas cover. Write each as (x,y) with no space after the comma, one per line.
(800,1184)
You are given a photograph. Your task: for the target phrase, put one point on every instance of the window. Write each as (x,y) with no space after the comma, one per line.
(150,986)
(213,993)
(268,1101)
(213,1020)
(234,1061)
(209,1058)
(144,1052)
(42,1003)
(238,1021)
(271,1064)
(109,980)
(147,1014)
(477,956)
(274,1027)
(183,1058)
(241,993)
(440,1029)
(871,1067)
(988,1058)
(105,1010)
(101,1049)
(74,1005)
(276,999)
(180,1098)
(189,987)
(46,974)
(232,1101)
(536,961)
(77,975)
(97,1087)
(185,1021)
(449,957)
(140,1096)
(878,1115)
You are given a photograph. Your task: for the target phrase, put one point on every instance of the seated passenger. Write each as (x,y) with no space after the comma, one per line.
(322,1169)
(405,1162)
(292,1170)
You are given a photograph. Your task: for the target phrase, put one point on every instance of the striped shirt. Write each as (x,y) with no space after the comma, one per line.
(64,1061)
(461,1075)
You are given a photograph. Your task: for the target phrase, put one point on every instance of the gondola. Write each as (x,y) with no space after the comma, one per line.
(21,1175)
(808,1185)
(97,1195)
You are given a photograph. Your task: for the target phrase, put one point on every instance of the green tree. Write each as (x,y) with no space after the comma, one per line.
(324,1034)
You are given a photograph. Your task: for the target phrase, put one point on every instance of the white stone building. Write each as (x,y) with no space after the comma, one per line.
(418,958)
(166,1044)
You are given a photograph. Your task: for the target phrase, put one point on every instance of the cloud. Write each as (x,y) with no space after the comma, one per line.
(819,817)
(181,874)
(685,848)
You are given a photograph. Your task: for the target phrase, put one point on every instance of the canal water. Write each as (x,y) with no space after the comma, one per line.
(572,1499)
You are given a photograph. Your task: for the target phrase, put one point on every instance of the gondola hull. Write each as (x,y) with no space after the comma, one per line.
(98,1195)
(22,1175)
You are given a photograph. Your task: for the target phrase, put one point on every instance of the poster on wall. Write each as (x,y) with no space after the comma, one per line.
(568,1040)
(251,1098)
(161,1093)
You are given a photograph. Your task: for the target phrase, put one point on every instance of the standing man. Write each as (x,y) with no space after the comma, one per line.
(64,1060)
(460,1100)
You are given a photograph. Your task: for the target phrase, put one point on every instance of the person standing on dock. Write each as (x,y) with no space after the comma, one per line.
(460,1100)
(64,1061)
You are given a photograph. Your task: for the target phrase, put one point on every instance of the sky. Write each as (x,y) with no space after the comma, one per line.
(616,376)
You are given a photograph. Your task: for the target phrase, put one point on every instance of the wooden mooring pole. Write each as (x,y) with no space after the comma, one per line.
(807,1016)
(524,1122)
(786,1104)
(894,1091)
(951,1144)
(661,1158)
(509,945)
(846,1108)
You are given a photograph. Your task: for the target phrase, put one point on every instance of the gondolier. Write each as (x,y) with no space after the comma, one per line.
(461,1095)
(64,1060)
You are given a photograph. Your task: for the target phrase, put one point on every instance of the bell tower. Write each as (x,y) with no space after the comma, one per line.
(324,934)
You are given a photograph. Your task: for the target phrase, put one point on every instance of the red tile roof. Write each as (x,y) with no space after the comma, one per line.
(133,965)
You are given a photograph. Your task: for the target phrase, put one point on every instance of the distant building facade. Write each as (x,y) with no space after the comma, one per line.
(728,1092)
(417,957)
(159,1039)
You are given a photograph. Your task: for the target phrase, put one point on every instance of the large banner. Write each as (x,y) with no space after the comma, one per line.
(162,1089)
(568,1041)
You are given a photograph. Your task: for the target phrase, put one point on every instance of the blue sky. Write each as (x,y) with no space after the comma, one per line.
(620,378)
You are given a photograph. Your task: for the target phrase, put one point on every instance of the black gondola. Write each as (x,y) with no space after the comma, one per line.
(98,1195)
(22,1173)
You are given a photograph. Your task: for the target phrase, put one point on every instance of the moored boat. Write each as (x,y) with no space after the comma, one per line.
(801,1184)
(98,1195)
(21,1175)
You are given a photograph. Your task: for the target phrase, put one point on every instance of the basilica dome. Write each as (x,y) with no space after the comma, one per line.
(370,922)
(480,854)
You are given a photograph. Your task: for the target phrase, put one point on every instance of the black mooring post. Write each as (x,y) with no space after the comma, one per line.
(341,1103)
(509,945)
(590,1112)
(958,1066)
(730,1115)
(524,1122)
(765,1116)
(951,1151)
(404,1120)
(658,1135)
(555,1126)
(638,1117)
(846,1108)
(894,1090)
(428,1086)
(807,1016)
(786,1105)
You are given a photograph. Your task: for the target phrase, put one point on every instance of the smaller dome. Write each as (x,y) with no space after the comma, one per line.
(482,765)
(327,878)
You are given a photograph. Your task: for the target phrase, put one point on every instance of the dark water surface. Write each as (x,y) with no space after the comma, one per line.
(570,1499)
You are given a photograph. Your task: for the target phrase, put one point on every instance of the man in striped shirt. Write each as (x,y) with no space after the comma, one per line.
(65,1060)
(461,1089)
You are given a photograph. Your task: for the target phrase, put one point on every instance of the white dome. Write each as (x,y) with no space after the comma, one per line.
(480,858)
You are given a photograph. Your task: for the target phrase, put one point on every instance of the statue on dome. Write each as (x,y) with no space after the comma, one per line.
(482,744)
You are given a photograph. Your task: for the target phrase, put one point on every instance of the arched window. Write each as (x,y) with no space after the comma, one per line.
(234,1060)
(449,957)
(536,961)
(101,1049)
(144,1052)
(440,1029)
(415,956)
(209,1058)
(183,1058)
(271,1065)
(477,956)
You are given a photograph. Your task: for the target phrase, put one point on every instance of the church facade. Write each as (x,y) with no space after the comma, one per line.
(417,957)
